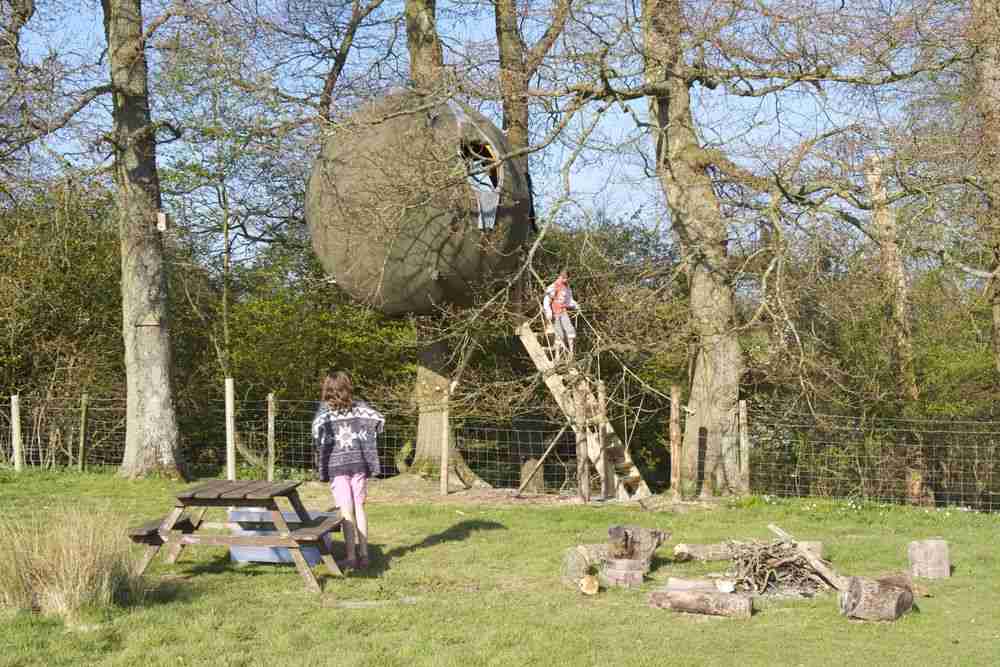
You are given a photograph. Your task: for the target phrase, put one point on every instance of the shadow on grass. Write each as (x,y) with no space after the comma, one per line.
(463,530)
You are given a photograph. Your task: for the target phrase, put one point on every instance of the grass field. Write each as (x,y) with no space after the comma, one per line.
(476,582)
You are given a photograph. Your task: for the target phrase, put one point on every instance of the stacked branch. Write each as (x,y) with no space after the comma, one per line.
(775,566)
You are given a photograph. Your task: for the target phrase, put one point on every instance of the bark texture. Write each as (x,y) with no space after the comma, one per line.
(896,290)
(151,443)
(874,600)
(986,40)
(431,396)
(711,432)
(423,43)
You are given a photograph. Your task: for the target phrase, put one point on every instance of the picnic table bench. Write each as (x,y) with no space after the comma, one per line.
(176,531)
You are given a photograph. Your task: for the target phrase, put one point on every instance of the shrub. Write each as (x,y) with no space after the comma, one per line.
(74,559)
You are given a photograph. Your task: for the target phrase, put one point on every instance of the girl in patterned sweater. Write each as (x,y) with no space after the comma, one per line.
(344,434)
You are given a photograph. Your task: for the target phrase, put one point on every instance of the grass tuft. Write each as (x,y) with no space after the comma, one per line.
(72,561)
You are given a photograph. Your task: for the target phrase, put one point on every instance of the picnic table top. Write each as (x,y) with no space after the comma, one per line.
(221,489)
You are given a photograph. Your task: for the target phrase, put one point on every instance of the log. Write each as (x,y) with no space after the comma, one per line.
(703,584)
(625,572)
(874,600)
(635,542)
(904,580)
(703,602)
(929,559)
(703,552)
(583,560)
(589,585)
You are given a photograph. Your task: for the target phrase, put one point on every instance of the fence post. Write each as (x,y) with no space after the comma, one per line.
(744,450)
(675,441)
(82,450)
(445,445)
(270,436)
(230,430)
(15,432)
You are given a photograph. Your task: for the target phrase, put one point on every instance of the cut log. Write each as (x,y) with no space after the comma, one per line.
(929,559)
(904,580)
(589,585)
(703,552)
(703,602)
(583,560)
(635,542)
(703,584)
(874,600)
(822,568)
(625,572)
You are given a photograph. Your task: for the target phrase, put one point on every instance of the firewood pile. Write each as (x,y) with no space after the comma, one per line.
(775,567)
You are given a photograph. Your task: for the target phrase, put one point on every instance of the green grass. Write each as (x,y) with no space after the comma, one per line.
(475,584)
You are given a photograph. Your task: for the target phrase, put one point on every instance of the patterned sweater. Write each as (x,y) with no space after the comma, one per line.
(345,440)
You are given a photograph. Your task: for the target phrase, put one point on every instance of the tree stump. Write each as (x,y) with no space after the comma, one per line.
(874,600)
(703,552)
(537,483)
(929,559)
(583,560)
(635,542)
(625,572)
(703,602)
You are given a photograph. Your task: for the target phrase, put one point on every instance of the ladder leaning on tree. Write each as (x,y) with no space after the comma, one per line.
(584,402)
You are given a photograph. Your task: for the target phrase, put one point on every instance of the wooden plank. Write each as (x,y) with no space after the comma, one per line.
(239,490)
(195,490)
(328,560)
(303,567)
(224,502)
(147,558)
(271,411)
(314,532)
(81,458)
(298,507)
(276,490)
(675,442)
(258,489)
(744,449)
(538,465)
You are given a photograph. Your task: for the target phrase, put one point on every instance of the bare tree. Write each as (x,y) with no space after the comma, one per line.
(151,442)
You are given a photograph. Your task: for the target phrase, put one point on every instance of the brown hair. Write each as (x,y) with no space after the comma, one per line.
(337,391)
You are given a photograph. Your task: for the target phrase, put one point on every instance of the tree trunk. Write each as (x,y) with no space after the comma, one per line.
(151,424)
(929,559)
(15,18)
(431,396)
(681,162)
(874,600)
(894,280)
(703,602)
(423,43)
(513,75)
(986,40)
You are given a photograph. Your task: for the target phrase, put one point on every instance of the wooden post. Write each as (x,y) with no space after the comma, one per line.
(744,450)
(230,430)
(445,444)
(271,411)
(607,471)
(675,441)
(15,432)
(82,450)
(582,461)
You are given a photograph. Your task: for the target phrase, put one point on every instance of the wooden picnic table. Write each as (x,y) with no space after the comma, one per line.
(176,531)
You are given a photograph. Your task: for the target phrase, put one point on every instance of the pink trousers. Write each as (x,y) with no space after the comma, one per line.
(349,493)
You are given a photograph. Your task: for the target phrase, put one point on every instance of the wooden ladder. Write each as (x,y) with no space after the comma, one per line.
(584,403)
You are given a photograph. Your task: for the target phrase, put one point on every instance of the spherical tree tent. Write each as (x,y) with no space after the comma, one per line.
(409,208)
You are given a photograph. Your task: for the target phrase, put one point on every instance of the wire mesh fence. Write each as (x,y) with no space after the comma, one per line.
(920,462)
(51,428)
